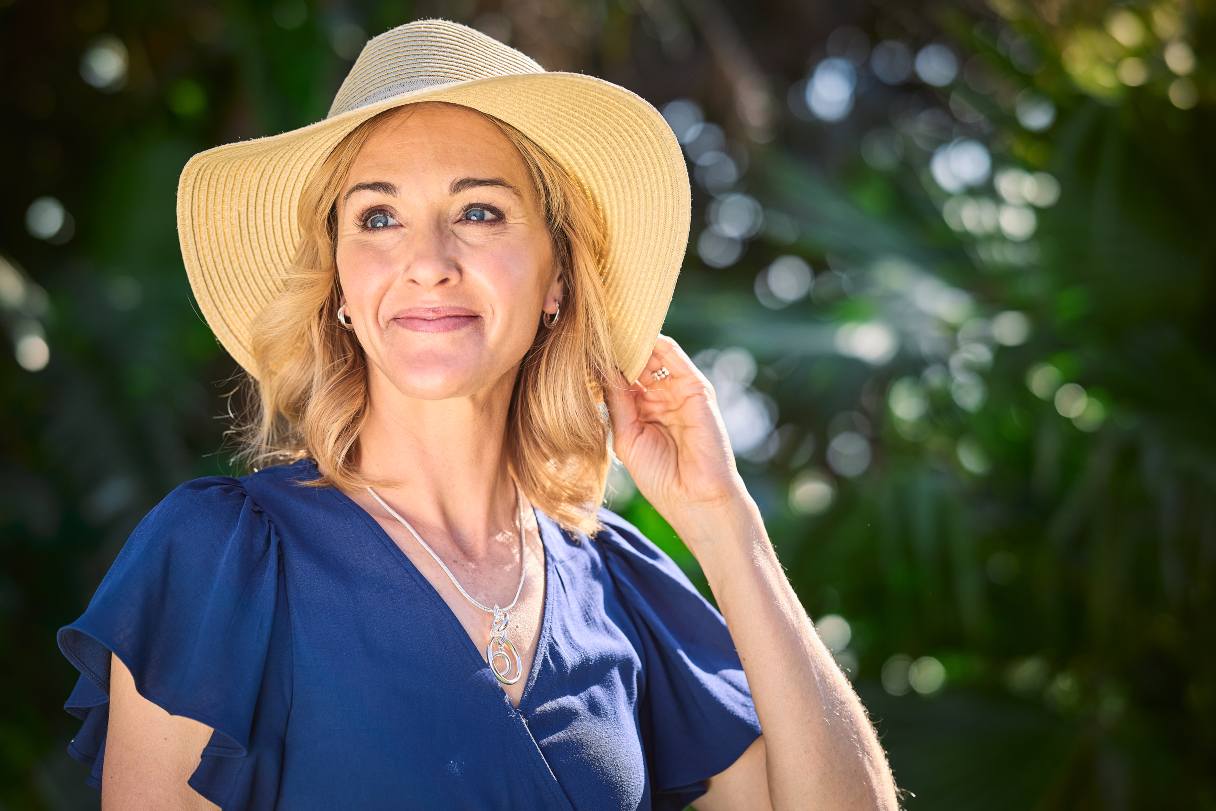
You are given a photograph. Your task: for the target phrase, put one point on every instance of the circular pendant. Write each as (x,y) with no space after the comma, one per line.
(499,647)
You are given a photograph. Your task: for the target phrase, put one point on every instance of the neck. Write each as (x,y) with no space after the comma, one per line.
(448,457)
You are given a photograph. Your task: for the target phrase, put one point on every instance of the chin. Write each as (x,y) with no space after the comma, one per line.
(436,381)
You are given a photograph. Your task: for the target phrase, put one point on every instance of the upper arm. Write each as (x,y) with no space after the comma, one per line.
(149,753)
(743,784)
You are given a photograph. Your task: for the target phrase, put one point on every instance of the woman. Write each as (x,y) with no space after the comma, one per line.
(422,604)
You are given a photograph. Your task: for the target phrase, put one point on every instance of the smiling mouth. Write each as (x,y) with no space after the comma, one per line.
(445,324)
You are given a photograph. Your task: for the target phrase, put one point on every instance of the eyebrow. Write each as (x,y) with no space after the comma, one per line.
(458,185)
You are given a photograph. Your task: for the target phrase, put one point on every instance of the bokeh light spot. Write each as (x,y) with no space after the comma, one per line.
(936,65)
(104,63)
(972,456)
(1092,417)
(891,61)
(1179,57)
(873,342)
(894,675)
(31,350)
(1010,328)
(718,250)
(835,632)
(907,399)
(736,215)
(1126,27)
(1070,400)
(1043,379)
(829,93)
(1034,112)
(1132,71)
(849,454)
(960,164)
(1017,222)
(927,675)
(811,492)
(788,278)
(1183,93)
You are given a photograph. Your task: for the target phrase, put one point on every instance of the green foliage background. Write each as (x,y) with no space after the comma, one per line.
(990,450)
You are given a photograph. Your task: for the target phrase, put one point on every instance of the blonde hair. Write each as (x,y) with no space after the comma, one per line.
(311,396)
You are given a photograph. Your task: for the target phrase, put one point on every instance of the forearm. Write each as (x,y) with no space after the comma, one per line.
(822,750)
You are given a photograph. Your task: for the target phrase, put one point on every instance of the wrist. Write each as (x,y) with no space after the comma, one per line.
(722,529)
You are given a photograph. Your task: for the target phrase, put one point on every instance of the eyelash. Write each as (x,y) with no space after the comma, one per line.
(361,220)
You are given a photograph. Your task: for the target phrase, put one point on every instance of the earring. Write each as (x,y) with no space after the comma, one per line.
(556,315)
(343,318)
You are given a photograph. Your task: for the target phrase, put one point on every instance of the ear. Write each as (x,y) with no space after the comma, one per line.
(557,289)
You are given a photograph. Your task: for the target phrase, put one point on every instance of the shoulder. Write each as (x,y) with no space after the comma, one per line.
(624,539)
(200,524)
(204,501)
(265,491)
(202,498)
(190,606)
(202,561)
(619,533)
(643,568)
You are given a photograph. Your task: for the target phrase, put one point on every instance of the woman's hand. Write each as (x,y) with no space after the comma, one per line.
(670,436)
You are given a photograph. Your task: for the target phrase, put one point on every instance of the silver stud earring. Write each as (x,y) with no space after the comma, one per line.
(556,315)
(343,318)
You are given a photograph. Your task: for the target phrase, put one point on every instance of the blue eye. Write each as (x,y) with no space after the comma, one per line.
(371,216)
(483,207)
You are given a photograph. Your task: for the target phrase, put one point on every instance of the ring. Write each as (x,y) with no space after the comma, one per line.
(661,373)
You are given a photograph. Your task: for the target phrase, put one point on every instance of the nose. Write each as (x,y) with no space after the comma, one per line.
(430,254)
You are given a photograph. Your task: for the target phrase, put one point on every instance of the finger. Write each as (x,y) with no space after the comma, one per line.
(619,398)
(669,353)
(651,374)
(646,379)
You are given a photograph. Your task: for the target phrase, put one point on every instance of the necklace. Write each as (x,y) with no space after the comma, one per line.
(499,647)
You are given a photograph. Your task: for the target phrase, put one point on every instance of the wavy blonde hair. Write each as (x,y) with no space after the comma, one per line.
(311,397)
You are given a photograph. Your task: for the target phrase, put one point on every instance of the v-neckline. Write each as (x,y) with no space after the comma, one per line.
(542,642)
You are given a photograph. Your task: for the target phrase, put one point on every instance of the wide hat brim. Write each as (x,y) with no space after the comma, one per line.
(236,203)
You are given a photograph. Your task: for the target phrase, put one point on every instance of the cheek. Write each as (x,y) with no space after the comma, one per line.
(359,268)
(515,286)
(355,255)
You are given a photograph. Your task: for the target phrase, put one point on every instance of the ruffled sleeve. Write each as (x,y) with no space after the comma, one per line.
(188,605)
(696,712)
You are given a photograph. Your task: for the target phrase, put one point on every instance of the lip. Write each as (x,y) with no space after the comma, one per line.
(431,313)
(435,319)
(452,322)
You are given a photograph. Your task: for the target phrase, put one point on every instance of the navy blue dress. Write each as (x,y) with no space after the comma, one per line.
(335,675)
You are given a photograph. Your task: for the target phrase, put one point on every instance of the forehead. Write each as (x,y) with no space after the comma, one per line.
(438,138)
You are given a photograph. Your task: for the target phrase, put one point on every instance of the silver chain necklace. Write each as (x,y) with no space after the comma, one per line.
(498,646)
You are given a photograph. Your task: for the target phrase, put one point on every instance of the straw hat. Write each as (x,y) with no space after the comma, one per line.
(236,203)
